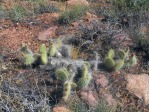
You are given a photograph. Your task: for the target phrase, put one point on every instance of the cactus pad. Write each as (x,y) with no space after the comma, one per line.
(121,54)
(109,63)
(119,64)
(28,59)
(62,74)
(111,53)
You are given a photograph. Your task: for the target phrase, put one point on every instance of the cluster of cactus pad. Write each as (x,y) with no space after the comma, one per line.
(122,59)
(29,57)
(68,83)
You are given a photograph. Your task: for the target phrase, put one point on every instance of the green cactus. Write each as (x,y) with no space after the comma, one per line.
(44,54)
(52,50)
(109,63)
(119,64)
(62,74)
(25,49)
(42,48)
(85,68)
(28,59)
(66,90)
(44,57)
(84,81)
(73,85)
(133,60)
(121,54)
(111,53)
(127,52)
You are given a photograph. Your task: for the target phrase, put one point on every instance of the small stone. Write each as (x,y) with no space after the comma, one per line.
(138,85)
(77,2)
(47,34)
(61,109)
(88,97)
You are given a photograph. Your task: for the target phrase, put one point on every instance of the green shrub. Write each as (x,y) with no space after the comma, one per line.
(18,13)
(72,15)
(45,8)
(117,61)
(126,5)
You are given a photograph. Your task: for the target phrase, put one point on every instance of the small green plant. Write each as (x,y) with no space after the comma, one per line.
(122,60)
(84,81)
(67,79)
(18,13)
(44,54)
(45,8)
(62,74)
(72,15)
(134,5)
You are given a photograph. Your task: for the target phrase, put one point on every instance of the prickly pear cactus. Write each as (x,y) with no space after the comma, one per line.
(52,50)
(28,59)
(111,53)
(84,82)
(121,54)
(43,53)
(26,50)
(119,64)
(62,74)
(42,48)
(66,90)
(133,60)
(109,63)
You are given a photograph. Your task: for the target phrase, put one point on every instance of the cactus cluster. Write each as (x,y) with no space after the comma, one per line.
(29,57)
(67,78)
(122,59)
(64,75)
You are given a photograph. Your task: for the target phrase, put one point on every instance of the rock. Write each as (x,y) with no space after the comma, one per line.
(88,97)
(47,34)
(75,24)
(102,80)
(89,17)
(138,85)
(144,30)
(77,2)
(61,109)
(55,15)
(123,39)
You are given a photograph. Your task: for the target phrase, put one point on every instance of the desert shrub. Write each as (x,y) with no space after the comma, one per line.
(45,8)
(71,15)
(131,4)
(18,13)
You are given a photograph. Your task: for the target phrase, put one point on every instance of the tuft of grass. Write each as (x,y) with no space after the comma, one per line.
(78,105)
(18,13)
(72,15)
(135,5)
(45,8)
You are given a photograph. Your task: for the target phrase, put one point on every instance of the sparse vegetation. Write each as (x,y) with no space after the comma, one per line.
(71,15)
(18,13)
(70,66)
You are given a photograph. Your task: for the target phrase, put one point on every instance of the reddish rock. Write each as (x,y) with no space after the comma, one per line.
(77,2)
(61,109)
(139,85)
(102,80)
(55,15)
(47,34)
(88,97)
(75,24)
